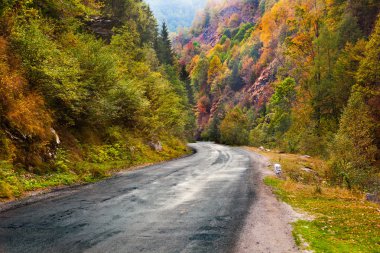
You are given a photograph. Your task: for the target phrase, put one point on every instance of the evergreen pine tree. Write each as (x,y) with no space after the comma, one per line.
(164,46)
(184,77)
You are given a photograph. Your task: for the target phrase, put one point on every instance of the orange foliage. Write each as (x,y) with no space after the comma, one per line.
(302,44)
(28,114)
(271,27)
(23,109)
(203,104)
(192,64)
(273,20)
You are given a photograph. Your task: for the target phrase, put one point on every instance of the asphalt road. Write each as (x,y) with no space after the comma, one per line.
(195,204)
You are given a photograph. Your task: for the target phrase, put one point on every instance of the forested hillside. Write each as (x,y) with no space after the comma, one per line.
(85,87)
(301,76)
(88,86)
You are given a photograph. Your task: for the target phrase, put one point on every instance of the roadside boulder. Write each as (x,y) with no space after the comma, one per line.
(373,197)
(155,145)
(277,169)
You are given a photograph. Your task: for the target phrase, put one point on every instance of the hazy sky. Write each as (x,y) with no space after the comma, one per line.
(176,13)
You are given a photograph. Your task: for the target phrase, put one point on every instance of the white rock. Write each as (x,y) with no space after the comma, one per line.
(277,169)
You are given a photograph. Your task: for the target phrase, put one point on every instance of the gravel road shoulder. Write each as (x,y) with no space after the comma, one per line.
(268,223)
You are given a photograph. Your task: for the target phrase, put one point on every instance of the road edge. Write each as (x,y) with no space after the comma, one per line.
(51,192)
(249,240)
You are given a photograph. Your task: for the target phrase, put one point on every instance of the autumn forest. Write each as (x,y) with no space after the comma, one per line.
(299,76)
(89,87)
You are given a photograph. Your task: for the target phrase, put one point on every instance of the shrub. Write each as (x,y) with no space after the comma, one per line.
(5,190)
(234,128)
(353,150)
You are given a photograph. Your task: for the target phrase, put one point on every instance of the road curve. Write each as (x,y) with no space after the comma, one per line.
(194,204)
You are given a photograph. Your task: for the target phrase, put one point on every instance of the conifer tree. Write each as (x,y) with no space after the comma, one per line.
(164,46)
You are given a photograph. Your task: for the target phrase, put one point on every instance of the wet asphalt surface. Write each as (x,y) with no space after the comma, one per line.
(194,204)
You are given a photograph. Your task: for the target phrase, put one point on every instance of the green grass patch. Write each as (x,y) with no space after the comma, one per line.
(343,221)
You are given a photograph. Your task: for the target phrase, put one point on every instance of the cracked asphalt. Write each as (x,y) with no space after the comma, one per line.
(195,204)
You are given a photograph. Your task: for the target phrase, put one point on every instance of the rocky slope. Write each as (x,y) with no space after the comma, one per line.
(223,30)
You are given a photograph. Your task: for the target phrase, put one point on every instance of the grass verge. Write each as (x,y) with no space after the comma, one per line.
(342,220)
(100,162)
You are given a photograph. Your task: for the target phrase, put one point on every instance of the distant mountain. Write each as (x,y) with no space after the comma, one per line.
(178,13)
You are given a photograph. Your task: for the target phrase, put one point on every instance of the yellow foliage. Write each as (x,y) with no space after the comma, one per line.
(5,190)
(273,20)
(215,68)
(216,50)
(23,109)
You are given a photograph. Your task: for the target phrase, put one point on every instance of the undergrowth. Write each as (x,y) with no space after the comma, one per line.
(98,162)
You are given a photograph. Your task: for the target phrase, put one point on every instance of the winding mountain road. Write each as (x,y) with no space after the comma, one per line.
(194,204)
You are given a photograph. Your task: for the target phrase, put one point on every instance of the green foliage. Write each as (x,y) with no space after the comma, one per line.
(57,73)
(368,77)
(353,150)
(61,161)
(368,73)
(356,145)
(124,104)
(49,70)
(284,95)
(214,68)
(235,81)
(223,39)
(10,184)
(271,127)
(243,30)
(164,46)
(366,12)
(233,128)
(322,100)
(183,89)
(212,133)
(5,190)
(345,71)
(199,75)
(100,161)
(5,5)
(258,136)
(106,153)
(348,30)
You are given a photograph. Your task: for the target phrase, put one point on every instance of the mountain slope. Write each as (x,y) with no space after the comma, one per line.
(288,74)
